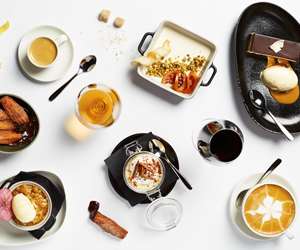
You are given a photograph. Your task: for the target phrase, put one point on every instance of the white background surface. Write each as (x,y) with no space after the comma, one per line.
(205,223)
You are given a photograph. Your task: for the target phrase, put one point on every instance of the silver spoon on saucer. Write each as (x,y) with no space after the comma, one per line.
(86,65)
(157,147)
(259,101)
(241,195)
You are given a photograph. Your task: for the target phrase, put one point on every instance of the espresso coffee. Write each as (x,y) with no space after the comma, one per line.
(269,210)
(43,51)
(226,145)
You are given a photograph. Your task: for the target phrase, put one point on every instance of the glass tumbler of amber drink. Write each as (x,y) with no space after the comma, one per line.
(98,106)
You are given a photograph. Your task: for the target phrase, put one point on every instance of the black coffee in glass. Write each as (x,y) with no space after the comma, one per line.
(226,145)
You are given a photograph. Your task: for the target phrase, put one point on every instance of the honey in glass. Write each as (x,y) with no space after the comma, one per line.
(98,106)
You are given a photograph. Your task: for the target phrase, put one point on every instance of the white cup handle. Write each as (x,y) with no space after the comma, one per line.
(60,40)
(289,235)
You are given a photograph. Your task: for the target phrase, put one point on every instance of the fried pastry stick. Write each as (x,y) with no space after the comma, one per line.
(7,125)
(14,110)
(3,116)
(8,137)
(107,224)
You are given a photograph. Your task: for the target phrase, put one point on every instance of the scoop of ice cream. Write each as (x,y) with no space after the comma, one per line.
(279,78)
(23,208)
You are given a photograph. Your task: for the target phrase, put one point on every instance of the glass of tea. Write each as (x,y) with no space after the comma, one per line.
(98,106)
(219,140)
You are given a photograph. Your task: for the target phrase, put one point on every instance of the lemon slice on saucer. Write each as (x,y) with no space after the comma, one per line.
(4,26)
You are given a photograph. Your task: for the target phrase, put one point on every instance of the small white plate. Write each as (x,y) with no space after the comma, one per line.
(11,236)
(235,214)
(62,64)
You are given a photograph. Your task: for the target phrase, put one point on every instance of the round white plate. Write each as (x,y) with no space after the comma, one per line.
(236,215)
(10,236)
(62,63)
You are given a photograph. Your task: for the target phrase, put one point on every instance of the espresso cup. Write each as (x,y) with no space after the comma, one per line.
(218,140)
(43,51)
(274,216)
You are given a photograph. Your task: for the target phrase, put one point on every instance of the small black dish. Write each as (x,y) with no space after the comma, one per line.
(271,20)
(119,185)
(32,129)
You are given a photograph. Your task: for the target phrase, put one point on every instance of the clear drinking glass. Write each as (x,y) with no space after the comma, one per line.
(98,106)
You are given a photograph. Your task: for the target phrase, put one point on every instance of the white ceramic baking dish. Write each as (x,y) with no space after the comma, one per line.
(183,42)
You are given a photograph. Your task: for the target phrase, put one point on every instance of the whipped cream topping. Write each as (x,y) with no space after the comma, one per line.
(143,172)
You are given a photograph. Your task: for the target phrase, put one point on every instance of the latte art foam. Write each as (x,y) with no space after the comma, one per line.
(269,209)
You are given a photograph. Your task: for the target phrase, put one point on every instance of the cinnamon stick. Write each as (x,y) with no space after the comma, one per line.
(107,224)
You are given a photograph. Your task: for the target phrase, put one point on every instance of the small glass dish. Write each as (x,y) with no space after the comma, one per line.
(163,214)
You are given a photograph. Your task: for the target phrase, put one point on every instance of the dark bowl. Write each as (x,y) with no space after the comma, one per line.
(272,20)
(33,128)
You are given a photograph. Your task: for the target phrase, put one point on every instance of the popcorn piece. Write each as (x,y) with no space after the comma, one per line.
(104,16)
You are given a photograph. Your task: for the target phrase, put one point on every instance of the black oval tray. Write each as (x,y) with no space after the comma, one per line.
(271,20)
(165,190)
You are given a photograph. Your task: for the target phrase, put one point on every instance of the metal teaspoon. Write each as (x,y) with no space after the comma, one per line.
(240,197)
(86,65)
(159,148)
(259,101)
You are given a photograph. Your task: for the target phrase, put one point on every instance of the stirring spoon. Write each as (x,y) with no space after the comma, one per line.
(241,195)
(259,101)
(86,65)
(159,148)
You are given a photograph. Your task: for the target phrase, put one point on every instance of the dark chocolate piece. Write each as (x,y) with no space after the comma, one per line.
(260,45)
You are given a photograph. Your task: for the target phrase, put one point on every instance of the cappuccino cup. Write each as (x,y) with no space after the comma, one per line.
(43,51)
(269,210)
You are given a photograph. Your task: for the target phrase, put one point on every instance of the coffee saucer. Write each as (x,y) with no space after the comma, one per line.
(62,63)
(236,215)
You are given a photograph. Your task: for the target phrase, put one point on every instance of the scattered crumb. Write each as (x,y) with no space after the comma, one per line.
(112,40)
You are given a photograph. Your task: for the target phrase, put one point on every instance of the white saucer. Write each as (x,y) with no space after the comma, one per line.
(235,214)
(10,236)
(62,64)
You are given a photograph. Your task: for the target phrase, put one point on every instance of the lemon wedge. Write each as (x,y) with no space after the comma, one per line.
(4,27)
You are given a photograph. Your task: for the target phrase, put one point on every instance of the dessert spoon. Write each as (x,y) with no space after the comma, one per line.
(157,147)
(86,65)
(241,195)
(259,101)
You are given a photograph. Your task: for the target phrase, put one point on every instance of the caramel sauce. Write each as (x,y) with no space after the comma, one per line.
(288,97)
